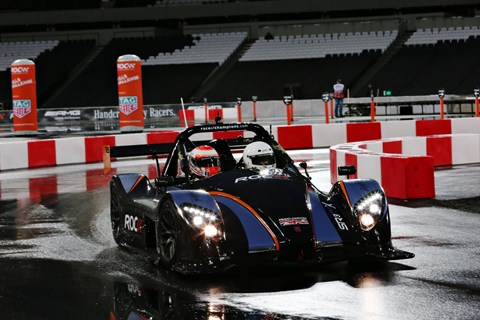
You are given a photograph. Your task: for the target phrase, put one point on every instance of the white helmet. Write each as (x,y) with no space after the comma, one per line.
(258,155)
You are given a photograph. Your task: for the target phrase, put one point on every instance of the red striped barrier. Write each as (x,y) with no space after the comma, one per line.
(94,147)
(363,131)
(41,153)
(405,166)
(37,153)
(188,115)
(432,127)
(408,177)
(295,137)
(197,115)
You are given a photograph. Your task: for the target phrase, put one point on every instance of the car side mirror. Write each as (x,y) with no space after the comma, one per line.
(164,181)
(304,166)
(185,169)
(347,171)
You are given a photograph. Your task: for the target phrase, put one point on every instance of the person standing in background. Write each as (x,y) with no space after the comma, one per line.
(369,92)
(338,95)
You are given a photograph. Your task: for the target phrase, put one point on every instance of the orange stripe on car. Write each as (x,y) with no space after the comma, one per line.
(249,208)
(345,193)
(136,184)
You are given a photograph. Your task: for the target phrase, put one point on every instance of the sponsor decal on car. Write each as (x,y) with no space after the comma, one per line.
(22,108)
(133,223)
(225,127)
(293,221)
(267,175)
(339,220)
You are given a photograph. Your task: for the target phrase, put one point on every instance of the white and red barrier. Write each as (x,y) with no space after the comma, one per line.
(405,166)
(197,115)
(40,153)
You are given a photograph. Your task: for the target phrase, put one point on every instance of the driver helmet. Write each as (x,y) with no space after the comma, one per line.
(258,155)
(204,161)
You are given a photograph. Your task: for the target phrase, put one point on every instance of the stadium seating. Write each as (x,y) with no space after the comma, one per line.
(11,51)
(434,59)
(304,78)
(303,65)
(53,61)
(318,45)
(206,48)
(434,35)
(97,84)
(54,66)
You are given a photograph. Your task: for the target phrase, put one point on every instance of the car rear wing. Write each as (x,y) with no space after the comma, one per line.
(137,150)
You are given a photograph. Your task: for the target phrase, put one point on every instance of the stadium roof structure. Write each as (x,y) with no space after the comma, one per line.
(223,11)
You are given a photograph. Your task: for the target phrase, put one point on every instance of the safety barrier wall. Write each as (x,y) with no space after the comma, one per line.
(198,115)
(405,166)
(74,150)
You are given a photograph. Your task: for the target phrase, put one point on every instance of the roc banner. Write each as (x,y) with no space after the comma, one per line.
(24,97)
(130,96)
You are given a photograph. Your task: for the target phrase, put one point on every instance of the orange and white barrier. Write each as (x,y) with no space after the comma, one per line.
(24,97)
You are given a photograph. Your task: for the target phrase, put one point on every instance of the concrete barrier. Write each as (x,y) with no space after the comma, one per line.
(405,166)
(75,150)
(197,115)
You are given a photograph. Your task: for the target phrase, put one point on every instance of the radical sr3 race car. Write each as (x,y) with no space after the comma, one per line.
(234,213)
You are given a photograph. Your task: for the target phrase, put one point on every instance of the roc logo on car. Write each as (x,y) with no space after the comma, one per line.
(133,223)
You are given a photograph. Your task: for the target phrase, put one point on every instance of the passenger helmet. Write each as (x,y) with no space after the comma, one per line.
(258,155)
(204,161)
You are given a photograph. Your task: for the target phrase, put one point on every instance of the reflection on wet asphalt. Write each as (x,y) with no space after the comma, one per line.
(59,261)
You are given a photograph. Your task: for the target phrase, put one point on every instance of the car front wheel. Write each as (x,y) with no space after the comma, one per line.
(167,234)
(115,214)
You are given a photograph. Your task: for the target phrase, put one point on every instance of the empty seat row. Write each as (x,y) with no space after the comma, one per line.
(317,46)
(11,51)
(206,48)
(433,35)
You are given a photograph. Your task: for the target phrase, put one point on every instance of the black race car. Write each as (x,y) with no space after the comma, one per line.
(243,215)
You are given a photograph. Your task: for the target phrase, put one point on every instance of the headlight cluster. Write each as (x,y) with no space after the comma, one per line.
(369,209)
(203,218)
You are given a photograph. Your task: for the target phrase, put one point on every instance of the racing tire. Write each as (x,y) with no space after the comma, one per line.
(116,214)
(167,234)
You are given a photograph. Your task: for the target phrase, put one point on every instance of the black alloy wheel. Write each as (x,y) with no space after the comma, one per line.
(115,214)
(167,233)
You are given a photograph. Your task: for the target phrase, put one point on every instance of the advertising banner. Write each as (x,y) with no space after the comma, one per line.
(130,95)
(24,97)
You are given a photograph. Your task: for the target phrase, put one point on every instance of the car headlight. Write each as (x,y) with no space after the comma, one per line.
(204,219)
(368,210)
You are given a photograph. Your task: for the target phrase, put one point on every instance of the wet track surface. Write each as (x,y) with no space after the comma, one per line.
(58,259)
